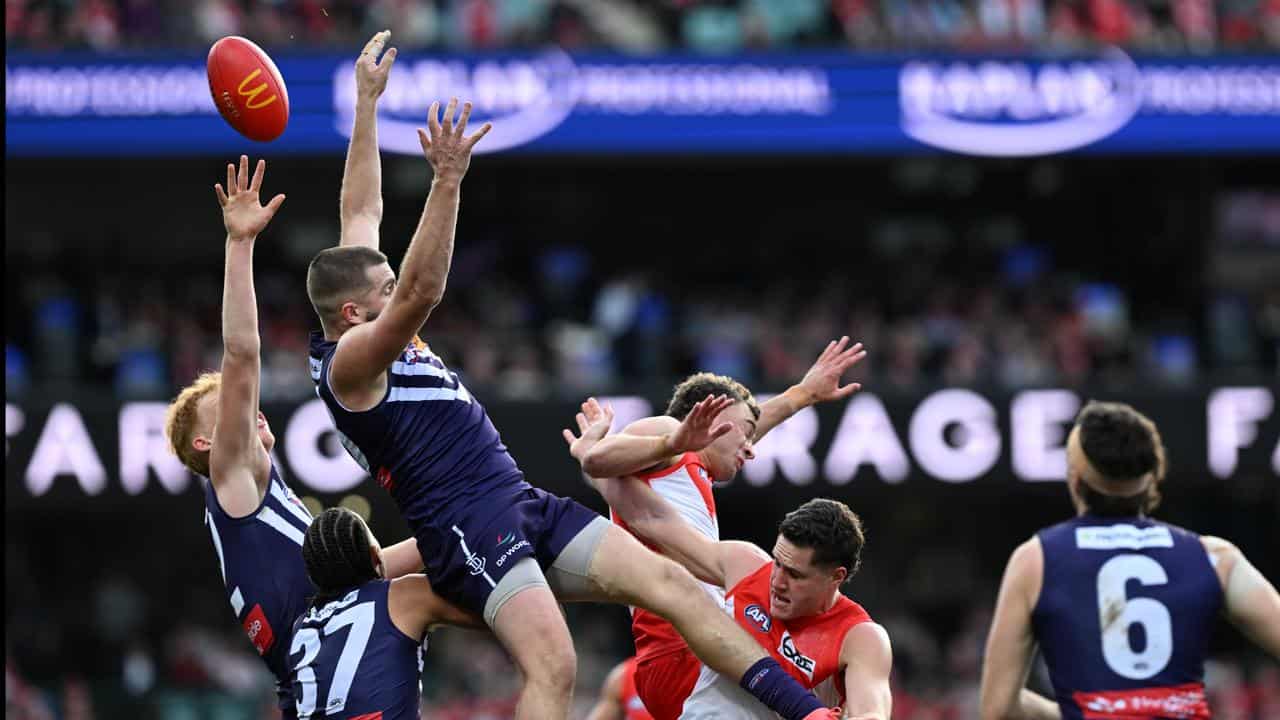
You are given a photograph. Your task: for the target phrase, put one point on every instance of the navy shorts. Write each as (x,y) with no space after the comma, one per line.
(466,561)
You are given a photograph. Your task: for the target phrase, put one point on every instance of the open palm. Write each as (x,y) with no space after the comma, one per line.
(242,213)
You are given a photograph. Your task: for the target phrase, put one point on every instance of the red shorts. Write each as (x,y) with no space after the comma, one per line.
(664,682)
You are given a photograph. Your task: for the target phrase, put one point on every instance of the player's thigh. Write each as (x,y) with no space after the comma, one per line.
(531,626)
(621,570)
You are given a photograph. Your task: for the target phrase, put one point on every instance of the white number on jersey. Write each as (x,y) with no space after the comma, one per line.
(360,619)
(1117,613)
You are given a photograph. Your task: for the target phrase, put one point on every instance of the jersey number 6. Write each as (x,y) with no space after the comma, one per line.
(1117,613)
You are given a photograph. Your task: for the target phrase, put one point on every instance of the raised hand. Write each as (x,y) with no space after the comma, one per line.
(593,424)
(447,149)
(696,431)
(822,382)
(242,214)
(371,74)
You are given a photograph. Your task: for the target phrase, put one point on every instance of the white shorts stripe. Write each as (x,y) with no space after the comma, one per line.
(473,561)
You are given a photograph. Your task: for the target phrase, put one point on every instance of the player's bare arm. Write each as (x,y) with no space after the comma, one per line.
(654,519)
(867,659)
(820,384)
(238,463)
(358,368)
(656,442)
(1250,601)
(609,705)
(361,199)
(401,559)
(415,608)
(1011,644)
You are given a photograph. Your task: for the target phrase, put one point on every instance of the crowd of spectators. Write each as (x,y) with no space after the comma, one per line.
(1159,26)
(558,330)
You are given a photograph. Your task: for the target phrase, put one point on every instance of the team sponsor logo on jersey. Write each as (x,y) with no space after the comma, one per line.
(757,615)
(259,630)
(1180,701)
(787,649)
(504,539)
(385,479)
(511,551)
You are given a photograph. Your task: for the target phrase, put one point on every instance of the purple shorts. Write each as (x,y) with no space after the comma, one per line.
(471,559)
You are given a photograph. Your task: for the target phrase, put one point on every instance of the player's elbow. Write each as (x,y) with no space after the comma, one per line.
(241,346)
(424,294)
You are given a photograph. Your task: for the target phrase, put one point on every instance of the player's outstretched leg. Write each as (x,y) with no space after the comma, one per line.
(531,627)
(622,570)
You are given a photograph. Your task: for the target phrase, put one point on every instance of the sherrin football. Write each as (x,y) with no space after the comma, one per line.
(248,89)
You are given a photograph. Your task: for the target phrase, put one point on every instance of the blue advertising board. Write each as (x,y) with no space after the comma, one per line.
(553,102)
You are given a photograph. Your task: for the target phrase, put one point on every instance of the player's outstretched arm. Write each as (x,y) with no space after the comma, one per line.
(366,351)
(361,199)
(867,658)
(609,705)
(1250,601)
(415,608)
(401,559)
(1011,644)
(820,384)
(238,463)
(656,442)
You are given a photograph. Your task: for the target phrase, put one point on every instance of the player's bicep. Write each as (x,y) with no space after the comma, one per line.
(868,662)
(1252,604)
(1011,643)
(360,229)
(738,559)
(366,351)
(650,426)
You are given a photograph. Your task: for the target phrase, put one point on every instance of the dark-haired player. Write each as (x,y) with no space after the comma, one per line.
(661,452)
(1121,605)
(357,650)
(493,544)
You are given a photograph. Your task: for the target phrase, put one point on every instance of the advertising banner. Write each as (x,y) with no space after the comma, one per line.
(77,451)
(553,102)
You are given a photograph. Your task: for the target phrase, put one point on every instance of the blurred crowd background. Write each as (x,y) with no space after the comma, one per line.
(711,26)
(622,275)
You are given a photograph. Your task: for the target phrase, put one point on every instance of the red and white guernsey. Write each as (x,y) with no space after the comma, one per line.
(687,486)
(807,648)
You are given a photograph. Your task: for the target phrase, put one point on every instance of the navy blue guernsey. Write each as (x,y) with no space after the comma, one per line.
(350,661)
(1124,618)
(429,443)
(260,556)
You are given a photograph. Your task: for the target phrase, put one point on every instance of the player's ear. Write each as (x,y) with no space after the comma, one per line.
(201,443)
(350,312)
(840,575)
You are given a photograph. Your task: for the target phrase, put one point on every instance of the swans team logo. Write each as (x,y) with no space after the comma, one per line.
(1018,108)
(526,97)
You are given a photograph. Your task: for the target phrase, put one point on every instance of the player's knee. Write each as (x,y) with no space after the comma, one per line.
(556,670)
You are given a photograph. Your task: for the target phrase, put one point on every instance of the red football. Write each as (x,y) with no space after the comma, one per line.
(248,89)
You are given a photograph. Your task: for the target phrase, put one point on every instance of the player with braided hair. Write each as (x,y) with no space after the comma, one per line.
(358,647)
